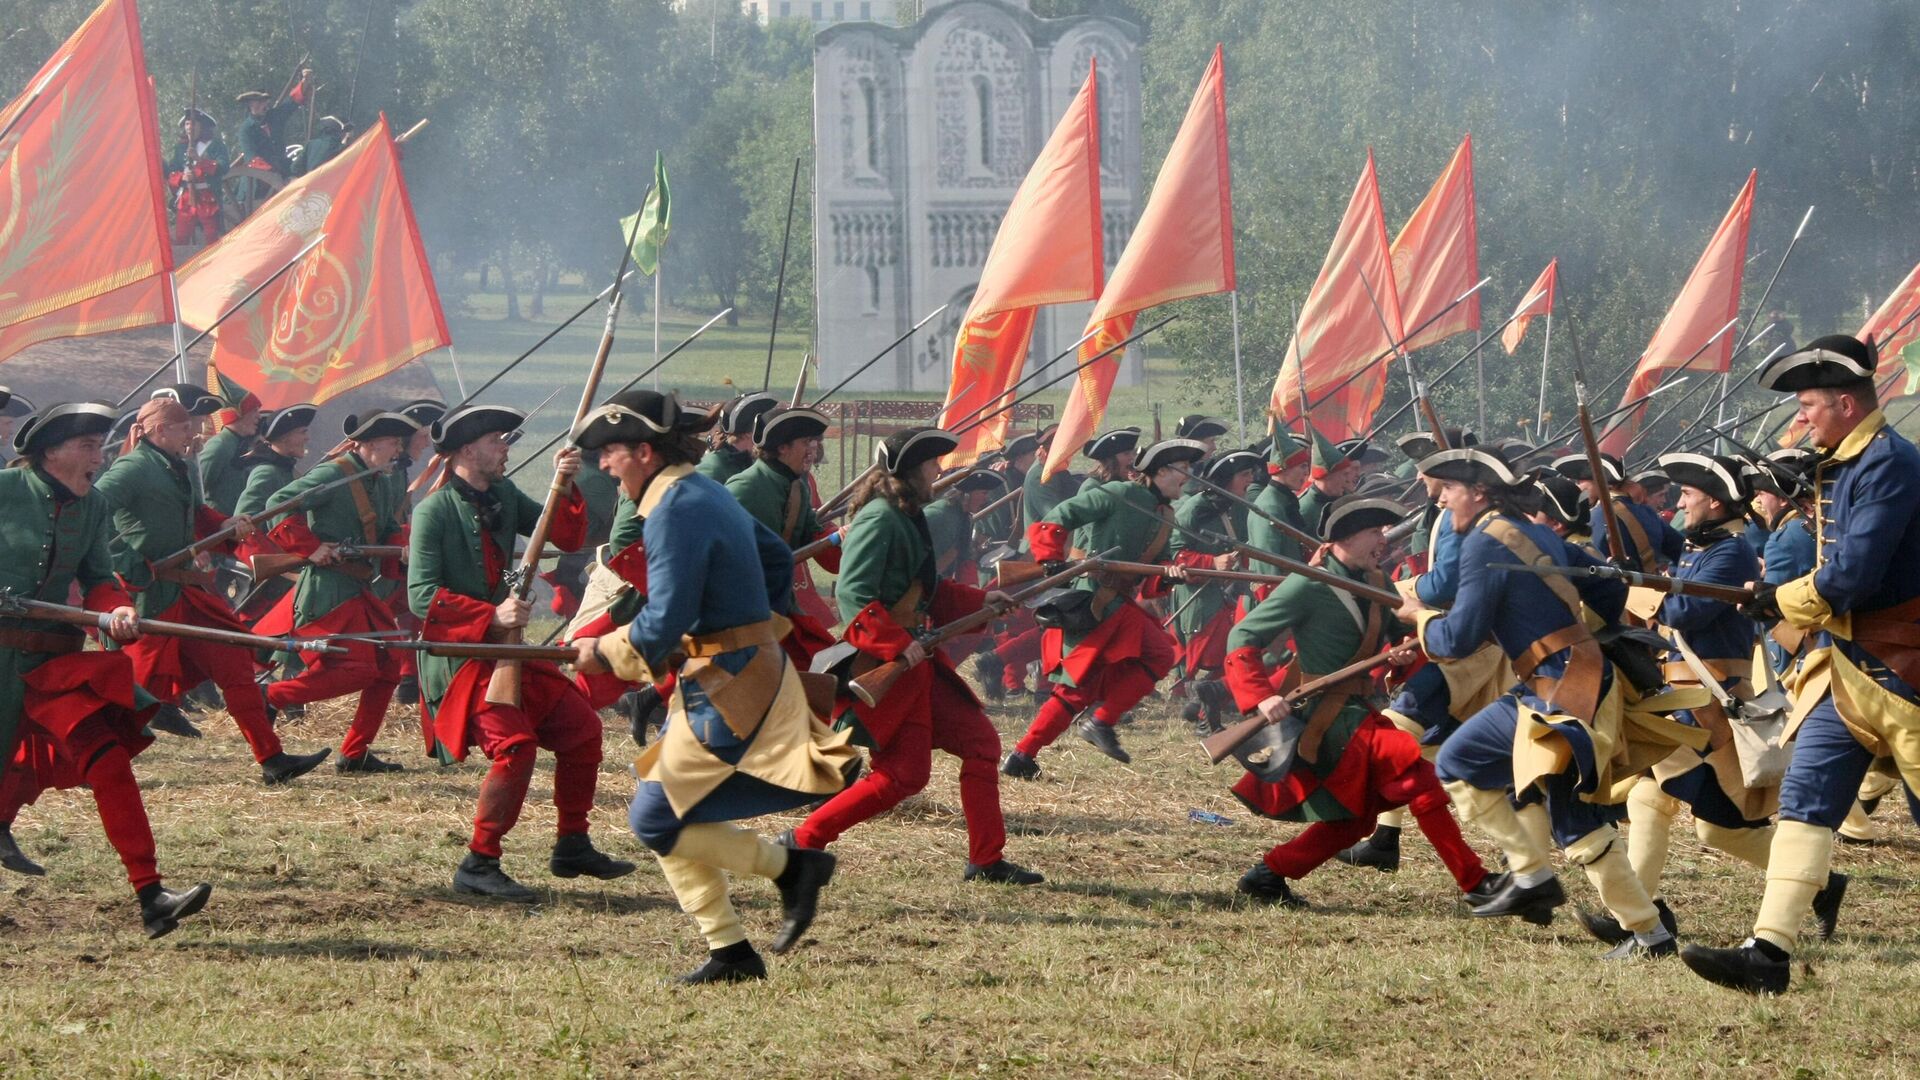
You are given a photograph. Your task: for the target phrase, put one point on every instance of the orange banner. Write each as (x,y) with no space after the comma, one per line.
(358,306)
(1047,251)
(1436,257)
(1707,302)
(82,209)
(1183,247)
(1535,302)
(1341,331)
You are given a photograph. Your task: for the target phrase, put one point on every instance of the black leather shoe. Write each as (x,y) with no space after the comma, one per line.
(1042,693)
(161,909)
(735,963)
(1380,851)
(365,763)
(642,707)
(1488,888)
(478,875)
(1019,766)
(283,766)
(574,855)
(992,671)
(1195,714)
(1103,739)
(800,883)
(1826,904)
(13,858)
(1533,903)
(1632,949)
(1267,887)
(169,720)
(1002,873)
(1608,929)
(1746,968)
(408,692)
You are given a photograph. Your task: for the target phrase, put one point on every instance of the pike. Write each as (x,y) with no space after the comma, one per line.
(1434,427)
(14,605)
(630,384)
(503,688)
(780,285)
(1616,540)
(180,354)
(1685,364)
(1683,399)
(1397,346)
(800,383)
(1449,369)
(1734,389)
(1672,586)
(32,99)
(1220,745)
(549,336)
(1760,305)
(876,358)
(969,421)
(871,686)
(1301,535)
(225,532)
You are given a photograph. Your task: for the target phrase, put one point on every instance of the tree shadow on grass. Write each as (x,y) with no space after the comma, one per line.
(610,903)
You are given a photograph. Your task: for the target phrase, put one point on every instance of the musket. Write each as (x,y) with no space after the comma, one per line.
(225,532)
(1672,586)
(1220,745)
(549,336)
(800,382)
(201,336)
(469,650)
(504,686)
(1300,535)
(277,563)
(1392,600)
(630,384)
(1397,346)
(13,604)
(869,687)
(1616,541)
(987,510)
(1449,369)
(1434,427)
(780,284)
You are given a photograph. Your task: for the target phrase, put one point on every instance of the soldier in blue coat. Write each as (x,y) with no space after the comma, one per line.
(1856,685)
(1651,543)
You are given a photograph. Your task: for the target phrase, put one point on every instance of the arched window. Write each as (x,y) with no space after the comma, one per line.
(869,99)
(873,290)
(983,102)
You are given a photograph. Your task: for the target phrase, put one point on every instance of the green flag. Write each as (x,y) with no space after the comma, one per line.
(654,216)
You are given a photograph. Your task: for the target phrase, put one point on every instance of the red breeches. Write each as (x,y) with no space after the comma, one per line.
(568,728)
(1111,689)
(90,755)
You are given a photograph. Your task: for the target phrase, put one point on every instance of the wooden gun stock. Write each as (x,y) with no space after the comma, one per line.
(1221,744)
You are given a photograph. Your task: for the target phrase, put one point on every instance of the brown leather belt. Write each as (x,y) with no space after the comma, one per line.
(1578,691)
(1332,700)
(42,641)
(729,640)
(185,575)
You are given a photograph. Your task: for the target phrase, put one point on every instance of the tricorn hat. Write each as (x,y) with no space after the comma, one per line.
(1562,500)
(1419,444)
(1653,478)
(1223,465)
(1169,452)
(1108,443)
(14,405)
(60,423)
(197,400)
(1720,478)
(1021,444)
(1478,465)
(1199,426)
(330,123)
(639,416)
(1575,467)
(191,113)
(777,427)
(1350,514)
(739,414)
(462,426)
(1778,476)
(285,421)
(379,425)
(423,411)
(248,96)
(977,479)
(905,450)
(1829,362)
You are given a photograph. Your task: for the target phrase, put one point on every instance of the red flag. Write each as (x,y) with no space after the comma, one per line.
(1536,302)
(1183,247)
(1047,251)
(83,219)
(358,306)
(1340,330)
(1885,331)
(1707,302)
(1436,257)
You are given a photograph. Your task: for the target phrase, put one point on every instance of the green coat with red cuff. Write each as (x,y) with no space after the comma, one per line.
(1126,521)
(779,499)
(455,577)
(1204,512)
(368,511)
(155,514)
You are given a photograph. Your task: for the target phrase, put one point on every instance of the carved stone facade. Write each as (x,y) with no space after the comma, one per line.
(921,137)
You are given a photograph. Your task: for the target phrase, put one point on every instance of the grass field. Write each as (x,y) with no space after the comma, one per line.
(334,945)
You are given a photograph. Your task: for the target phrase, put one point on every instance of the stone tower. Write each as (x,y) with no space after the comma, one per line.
(921,137)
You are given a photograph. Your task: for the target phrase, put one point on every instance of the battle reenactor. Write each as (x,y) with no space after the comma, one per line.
(462,542)
(1112,453)
(741,739)
(263,135)
(329,138)
(70,716)
(1205,613)
(732,451)
(1651,543)
(194,172)
(1288,464)
(221,478)
(1334,470)
(268,467)
(774,491)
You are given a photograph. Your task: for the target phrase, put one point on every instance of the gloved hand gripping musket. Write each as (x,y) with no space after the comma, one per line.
(23,607)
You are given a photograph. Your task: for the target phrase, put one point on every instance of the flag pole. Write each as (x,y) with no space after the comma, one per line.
(1480,373)
(659,271)
(459,380)
(1546,352)
(1239,389)
(179,338)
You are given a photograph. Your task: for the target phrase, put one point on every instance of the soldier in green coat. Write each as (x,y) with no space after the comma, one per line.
(1205,612)
(426,412)
(1014,461)
(732,452)
(268,467)
(221,476)
(329,138)
(1038,494)
(1335,472)
(950,522)
(69,716)
(1288,463)
(157,513)
(1104,651)
(333,594)
(775,491)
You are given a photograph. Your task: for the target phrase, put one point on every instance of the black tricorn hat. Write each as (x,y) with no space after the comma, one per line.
(1047,433)
(1350,514)
(1721,478)
(460,427)
(14,405)
(639,416)
(330,123)
(1419,444)
(1021,444)
(1575,467)
(978,479)
(1478,465)
(251,95)
(1222,466)
(1830,362)
(1199,426)
(60,423)
(1360,452)
(1563,500)
(1168,452)
(1653,477)
(191,113)
(906,449)
(1108,443)
(1778,477)
(285,421)
(777,427)
(379,425)
(197,400)
(423,411)
(739,414)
